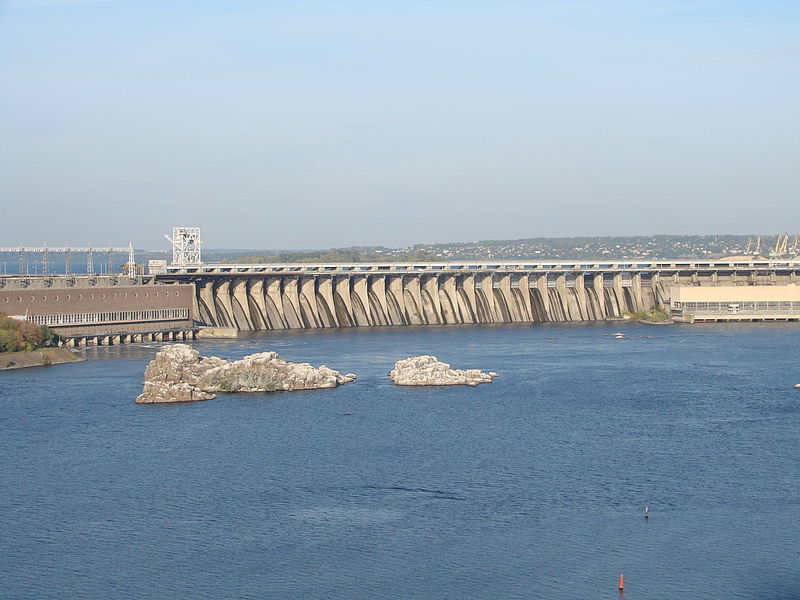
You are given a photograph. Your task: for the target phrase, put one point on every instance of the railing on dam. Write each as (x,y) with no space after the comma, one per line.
(489,266)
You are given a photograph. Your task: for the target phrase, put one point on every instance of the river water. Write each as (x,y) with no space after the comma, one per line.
(533,486)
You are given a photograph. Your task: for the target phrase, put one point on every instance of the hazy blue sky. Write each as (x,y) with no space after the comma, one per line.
(310,124)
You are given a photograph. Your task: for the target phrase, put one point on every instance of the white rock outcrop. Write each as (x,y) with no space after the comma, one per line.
(429,370)
(179,374)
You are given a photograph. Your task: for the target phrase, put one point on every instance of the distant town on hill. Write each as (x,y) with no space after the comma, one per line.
(656,246)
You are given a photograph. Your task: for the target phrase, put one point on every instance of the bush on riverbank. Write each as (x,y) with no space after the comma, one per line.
(19,336)
(658,314)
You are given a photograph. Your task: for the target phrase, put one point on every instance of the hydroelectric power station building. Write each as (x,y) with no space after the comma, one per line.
(180,297)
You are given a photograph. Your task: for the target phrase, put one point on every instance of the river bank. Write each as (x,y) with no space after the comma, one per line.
(37,358)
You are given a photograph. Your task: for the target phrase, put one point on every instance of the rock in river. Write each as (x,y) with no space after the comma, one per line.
(179,374)
(428,370)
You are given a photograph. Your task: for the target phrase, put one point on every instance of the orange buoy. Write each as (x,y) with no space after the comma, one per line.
(621,582)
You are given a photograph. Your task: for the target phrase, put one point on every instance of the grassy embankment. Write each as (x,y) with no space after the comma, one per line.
(659,314)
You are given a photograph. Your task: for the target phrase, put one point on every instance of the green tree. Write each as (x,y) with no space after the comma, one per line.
(8,342)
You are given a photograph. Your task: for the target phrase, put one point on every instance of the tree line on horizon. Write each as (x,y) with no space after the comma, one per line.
(666,246)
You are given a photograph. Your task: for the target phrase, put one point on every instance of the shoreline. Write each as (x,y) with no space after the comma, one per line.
(43,357)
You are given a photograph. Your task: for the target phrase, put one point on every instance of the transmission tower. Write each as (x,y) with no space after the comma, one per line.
(130,267)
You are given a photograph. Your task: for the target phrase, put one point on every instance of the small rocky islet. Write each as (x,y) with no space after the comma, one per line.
(179,374)
(429,370)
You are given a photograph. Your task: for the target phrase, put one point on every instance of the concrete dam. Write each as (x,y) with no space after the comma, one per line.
(307,302)
(273,297)
(179,301)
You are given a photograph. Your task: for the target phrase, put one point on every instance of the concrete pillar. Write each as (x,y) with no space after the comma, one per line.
(207,296)
(240,297)
(256,293)
(597,284)
(450,309)
(544,294)
(561,285)
(274,285)
(636,291)
(580,294)
(485,282)
(194,314)
(291,303)
(411,284)
(377,285)
(468,284)
(360,289)
(395,285)
(308,290)
(525,291)
(431,283)
(561,288)
(223,294)
(505,290)
(341,287)
(325,289)
(619,293)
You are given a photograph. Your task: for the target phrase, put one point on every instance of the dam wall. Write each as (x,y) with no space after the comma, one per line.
(287,301)
(307,296)
(173,305)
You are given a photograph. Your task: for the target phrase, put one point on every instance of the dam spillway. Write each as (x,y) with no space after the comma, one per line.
(275,297)
(308,302)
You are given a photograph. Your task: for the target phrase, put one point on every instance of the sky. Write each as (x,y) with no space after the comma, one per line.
(316,124)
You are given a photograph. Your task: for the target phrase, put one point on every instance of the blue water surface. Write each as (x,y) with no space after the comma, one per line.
(531,487)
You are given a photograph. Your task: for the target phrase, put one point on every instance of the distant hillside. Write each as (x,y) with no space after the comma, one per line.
(656,246)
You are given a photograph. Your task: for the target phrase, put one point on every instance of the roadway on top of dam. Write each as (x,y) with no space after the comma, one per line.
(507,266)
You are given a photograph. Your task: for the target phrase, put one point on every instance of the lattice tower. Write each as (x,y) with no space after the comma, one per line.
(185,245)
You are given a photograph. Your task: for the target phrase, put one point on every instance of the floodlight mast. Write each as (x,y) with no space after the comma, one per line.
(185,246)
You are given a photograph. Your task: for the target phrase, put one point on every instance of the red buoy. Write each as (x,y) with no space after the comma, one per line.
(621,583)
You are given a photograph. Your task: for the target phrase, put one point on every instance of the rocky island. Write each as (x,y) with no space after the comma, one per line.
(429,370)
(179,374)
